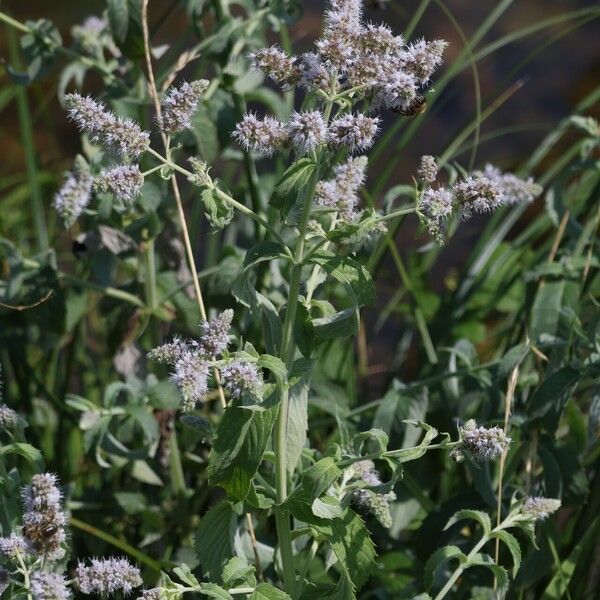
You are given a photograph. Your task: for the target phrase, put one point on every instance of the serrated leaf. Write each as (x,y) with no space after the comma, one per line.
(352,544)
(212,590)
(238,572)
(500,573)
(32,454)
(344,323)
(214,538)
(291,182)
(304,331)
(350,273)
(317,478)
(218,212)
(275,365)
(513,547)
(327,507)
(439,558)
(240,442)
(297,424)
(482,518)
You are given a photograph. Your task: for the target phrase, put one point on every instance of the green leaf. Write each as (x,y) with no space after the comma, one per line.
(237,572)
(316,479)
(275,365)
(551,397)
(297,424)
(500,573)
(32,454)
(291,182)
(218,212)
(214,539)
(344,589)
(513,547)
(352,545)
(265,591)
(439,558)
(185,574)
(482,518)
(407,454)
(212,590)
(344,323)
(118,19)
(240,442)
(354,276)
(304,331)
(327,507)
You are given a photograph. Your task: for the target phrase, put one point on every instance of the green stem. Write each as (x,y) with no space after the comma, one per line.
(282,517)
(459,571)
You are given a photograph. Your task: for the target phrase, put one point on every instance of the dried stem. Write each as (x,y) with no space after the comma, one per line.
(175,186)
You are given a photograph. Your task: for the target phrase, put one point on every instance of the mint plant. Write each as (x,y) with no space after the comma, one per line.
(292,513)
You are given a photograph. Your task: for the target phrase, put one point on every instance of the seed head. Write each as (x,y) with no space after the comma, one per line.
(125,182)
(427,171)
(49,586)
(480,443)
(9,419)
(422,58)
(170,352)
(190,375)
(355,132)
(263,136)
(214,337)
(242,380)
(93,118)
(307,130)
(376,503)
(179,104)
(275,63)
(478,193)
(514,189)
(107,576)
(540,508)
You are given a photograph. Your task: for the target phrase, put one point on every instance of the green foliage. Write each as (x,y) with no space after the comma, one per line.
(278,495)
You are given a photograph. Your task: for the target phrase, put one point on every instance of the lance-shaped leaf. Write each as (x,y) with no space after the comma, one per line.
(482,518)
(439,558)
(513,547)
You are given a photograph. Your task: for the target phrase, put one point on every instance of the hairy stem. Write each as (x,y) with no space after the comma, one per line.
(282,517)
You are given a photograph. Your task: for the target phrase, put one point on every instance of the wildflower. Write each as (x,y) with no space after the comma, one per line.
(397,91)
(428,170)
(378,40)
(376,503)
(214,337)
(307,130)
(241,379)
(422,58)
(107,576)
(74,195)
(44,519)
(190,375)
(9,419)
(91,35)
(93,118)
(480,443)
(280,67)
(125,182)
(13,546)
(436,204)
(263,136)
(514,189)
(49,586)
(356,132)
(478,193)
(168,353)
(153,594)
(341,192)
(179,104)
(313,72)
(540,508)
